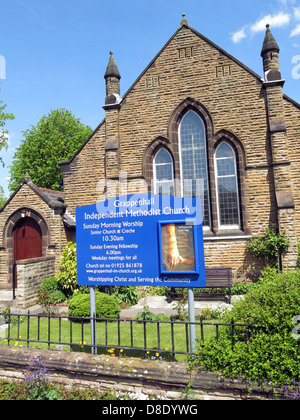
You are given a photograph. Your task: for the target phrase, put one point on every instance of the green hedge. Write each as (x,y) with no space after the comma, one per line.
(270,353)
(106,306)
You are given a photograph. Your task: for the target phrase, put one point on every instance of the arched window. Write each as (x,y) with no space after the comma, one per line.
(163,172)
(227,187)
(193,161)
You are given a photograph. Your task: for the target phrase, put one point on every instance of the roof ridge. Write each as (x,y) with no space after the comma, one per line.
(50,191)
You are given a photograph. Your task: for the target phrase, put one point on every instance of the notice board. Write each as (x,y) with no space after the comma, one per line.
(141,240)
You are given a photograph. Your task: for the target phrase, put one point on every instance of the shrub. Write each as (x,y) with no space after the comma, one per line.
(264,358)
(67,276)
(273,304)
(157,290)
(268,274)
(128,294)
(242,288)
(269,353)
(50,284)
(269,245)
(106,306)
(51,287)
(146,315)
(49,294)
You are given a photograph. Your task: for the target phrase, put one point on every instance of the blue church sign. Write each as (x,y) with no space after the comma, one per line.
(141,240)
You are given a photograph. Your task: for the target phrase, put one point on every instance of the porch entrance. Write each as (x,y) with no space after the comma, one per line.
(27,242)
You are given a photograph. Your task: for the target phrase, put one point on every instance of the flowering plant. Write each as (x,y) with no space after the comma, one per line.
(293,391)
(36,381)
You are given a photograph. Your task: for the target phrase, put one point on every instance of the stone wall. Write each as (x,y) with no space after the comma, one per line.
(166,379)
(30,274)
(189,67)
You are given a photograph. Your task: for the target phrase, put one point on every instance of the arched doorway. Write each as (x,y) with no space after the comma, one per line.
(27,241)
(13,228)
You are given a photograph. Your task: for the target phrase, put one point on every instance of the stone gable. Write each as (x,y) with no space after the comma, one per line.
(25,202)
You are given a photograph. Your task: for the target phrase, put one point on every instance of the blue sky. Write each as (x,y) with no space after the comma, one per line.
(53,53)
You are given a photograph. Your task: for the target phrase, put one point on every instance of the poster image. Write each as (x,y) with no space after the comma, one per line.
(177,247)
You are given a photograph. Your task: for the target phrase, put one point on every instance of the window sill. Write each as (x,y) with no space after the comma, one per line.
(225,234)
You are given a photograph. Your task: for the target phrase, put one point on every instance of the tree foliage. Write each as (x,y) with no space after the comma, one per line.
(55,138)
(2,197)
(4,116)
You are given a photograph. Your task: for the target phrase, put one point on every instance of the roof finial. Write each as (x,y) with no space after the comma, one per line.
(184,21)
(26,178)
(269,42)
(112,69)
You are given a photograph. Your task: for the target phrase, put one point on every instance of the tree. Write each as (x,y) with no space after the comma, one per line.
(4,116)
(2,197)
(55,138)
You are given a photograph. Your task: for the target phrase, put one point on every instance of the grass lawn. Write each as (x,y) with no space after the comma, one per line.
(113,336)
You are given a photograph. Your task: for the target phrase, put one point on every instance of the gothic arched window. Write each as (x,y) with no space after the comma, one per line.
(163,172)
(193,161)
(227,186)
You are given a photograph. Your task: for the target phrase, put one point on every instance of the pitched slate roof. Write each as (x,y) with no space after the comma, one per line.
(54,199)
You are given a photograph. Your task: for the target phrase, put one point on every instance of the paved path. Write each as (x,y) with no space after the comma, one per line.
(157,305)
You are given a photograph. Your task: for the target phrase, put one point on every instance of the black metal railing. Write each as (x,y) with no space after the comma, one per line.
(144,338)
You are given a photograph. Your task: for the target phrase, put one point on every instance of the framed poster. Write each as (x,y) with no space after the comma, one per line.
(178,247)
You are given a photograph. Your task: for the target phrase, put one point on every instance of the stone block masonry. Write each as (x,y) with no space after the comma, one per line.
(30,274)
(156,377)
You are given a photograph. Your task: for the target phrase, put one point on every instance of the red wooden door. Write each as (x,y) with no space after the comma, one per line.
(27,240)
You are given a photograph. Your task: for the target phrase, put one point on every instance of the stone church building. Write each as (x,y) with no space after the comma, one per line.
(196,122)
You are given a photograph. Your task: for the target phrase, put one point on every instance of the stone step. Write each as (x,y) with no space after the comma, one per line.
(6,298)
(7,303)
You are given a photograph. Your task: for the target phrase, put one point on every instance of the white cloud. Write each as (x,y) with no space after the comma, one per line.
(296,31)
(239,35)
(286,3)
(275,21)
(297,13)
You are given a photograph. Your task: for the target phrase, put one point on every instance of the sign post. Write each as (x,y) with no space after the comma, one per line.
(192,320)
(141,240)
(93,316)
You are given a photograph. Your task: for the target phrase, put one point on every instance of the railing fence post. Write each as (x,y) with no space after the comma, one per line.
(233,332)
